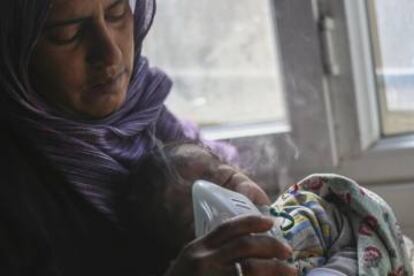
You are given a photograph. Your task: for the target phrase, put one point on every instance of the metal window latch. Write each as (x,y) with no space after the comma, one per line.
(329,52)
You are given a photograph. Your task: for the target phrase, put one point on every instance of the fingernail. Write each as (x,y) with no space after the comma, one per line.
(288,253)
(268,220)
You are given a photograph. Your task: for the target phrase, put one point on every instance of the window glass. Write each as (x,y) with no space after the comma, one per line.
(223,59)
(392,26)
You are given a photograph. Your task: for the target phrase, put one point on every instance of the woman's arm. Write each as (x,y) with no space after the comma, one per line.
(23,255)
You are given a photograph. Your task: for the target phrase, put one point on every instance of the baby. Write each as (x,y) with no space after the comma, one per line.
(327,237)
(163,196)
(159,193)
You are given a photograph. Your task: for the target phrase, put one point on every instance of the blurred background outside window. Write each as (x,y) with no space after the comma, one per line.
(392,28)
(223,59)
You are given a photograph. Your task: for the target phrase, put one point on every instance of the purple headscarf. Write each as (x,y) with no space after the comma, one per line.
(95,155)
(92,155)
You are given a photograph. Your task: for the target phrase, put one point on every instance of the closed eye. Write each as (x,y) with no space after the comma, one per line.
(117,11)
(64,34)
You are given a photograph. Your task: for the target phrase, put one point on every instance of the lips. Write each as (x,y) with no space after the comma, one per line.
(107,85)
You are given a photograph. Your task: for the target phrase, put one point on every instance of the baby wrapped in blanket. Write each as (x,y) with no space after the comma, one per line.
(340,228)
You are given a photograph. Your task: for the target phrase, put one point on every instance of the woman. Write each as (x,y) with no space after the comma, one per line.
(79,107)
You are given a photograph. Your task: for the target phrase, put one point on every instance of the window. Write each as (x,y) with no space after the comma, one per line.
(377,146)
(319,68)
(223,59)
(368,150)
(231,65)
(392,28)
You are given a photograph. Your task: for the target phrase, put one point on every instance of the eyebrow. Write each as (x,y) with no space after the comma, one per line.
(78,20)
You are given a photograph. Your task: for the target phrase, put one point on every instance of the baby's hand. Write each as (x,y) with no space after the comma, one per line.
(231,178)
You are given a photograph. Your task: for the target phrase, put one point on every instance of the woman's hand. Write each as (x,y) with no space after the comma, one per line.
(232,179)
(216,253)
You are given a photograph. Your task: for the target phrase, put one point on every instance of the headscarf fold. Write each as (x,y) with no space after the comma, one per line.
(95,155)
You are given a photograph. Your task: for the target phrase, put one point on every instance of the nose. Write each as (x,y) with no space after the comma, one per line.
(104,51)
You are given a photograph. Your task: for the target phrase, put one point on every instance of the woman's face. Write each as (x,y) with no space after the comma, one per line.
(84,58)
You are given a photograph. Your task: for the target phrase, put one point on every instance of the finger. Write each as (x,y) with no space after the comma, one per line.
(266,268)
(232,179)
(224,174)
(253,246)
(236,227)
(239,182)
(226,270)
(251,190)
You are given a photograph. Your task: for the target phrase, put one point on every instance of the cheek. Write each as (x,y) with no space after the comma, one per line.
(126,39)
(57,76)
(69,76)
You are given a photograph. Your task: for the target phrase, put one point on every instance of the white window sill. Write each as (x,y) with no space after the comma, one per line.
(244,130)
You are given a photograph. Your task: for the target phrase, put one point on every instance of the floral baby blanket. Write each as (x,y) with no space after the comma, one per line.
(338,222)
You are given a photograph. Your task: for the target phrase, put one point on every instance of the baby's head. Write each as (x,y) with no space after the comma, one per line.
(160,189)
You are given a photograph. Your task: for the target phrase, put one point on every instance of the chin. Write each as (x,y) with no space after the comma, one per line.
(105,112)
(99,112)
(105,107)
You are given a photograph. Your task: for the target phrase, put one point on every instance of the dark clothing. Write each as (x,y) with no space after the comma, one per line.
(46,228)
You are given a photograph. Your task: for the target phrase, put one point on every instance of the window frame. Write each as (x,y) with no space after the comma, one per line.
(383,164)
(308,143)
(334,120)
(343,133)
(377,159)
